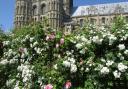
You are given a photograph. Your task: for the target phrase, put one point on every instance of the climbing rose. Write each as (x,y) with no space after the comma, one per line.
(21,50)
(49,86)
(52,36)
(121,46)
(62,41)
(68,84)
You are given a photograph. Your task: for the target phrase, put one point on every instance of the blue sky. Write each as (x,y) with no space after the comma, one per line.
(7,10)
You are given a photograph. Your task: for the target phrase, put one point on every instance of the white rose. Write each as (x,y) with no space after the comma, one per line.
(122,67)
(35,44)
(126,52)
(31,39)
(71,60)
(112,38)
(109,63)
(4,62)
(116,74)
(121,46)
(83,39)
(73,68)
(79,46)
(97,40)
(55,66)
(104,70)
(82,51)
(66,63)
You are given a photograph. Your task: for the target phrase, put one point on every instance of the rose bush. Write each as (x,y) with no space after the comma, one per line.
(36,57)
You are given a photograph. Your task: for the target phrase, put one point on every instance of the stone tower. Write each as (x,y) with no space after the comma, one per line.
(38,9)
(22,13)
(57,11)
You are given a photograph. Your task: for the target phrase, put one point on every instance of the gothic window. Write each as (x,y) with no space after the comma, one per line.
(17,18)
(22,10)
(58,6)
(25,9)
(50,16)
(49,7)
(92,21)
(17,10)
(54,15)
(114,18)
(41,18)
(103,20)
(43,9)
(34,10)
(81,22)
(54,5)
(23,18)
(35,19)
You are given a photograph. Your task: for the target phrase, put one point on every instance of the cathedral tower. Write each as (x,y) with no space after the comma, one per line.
(22,13)
(38,9)
(55,13)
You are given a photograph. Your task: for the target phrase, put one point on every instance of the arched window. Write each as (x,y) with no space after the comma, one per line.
(17,10)
(17,18)
(35,19)
(114,18)
(103,20)
(54,5)
(41,18)
(49,7)
(25,9)
(34,10)
(43,9)
(81,22)
(92,21)
(22,10)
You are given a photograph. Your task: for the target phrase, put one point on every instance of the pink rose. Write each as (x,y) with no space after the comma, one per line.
(81,61)
(52,36)
(68,85)
(49,86)
(62,41)
(21,50)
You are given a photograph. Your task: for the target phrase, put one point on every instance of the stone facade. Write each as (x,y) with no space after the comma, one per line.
(61,13)
(57,11)
(102,14)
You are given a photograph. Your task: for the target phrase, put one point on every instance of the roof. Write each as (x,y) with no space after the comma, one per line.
(101,9)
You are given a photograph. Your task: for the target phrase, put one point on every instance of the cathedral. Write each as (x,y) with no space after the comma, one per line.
(61,13)
(57,12)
